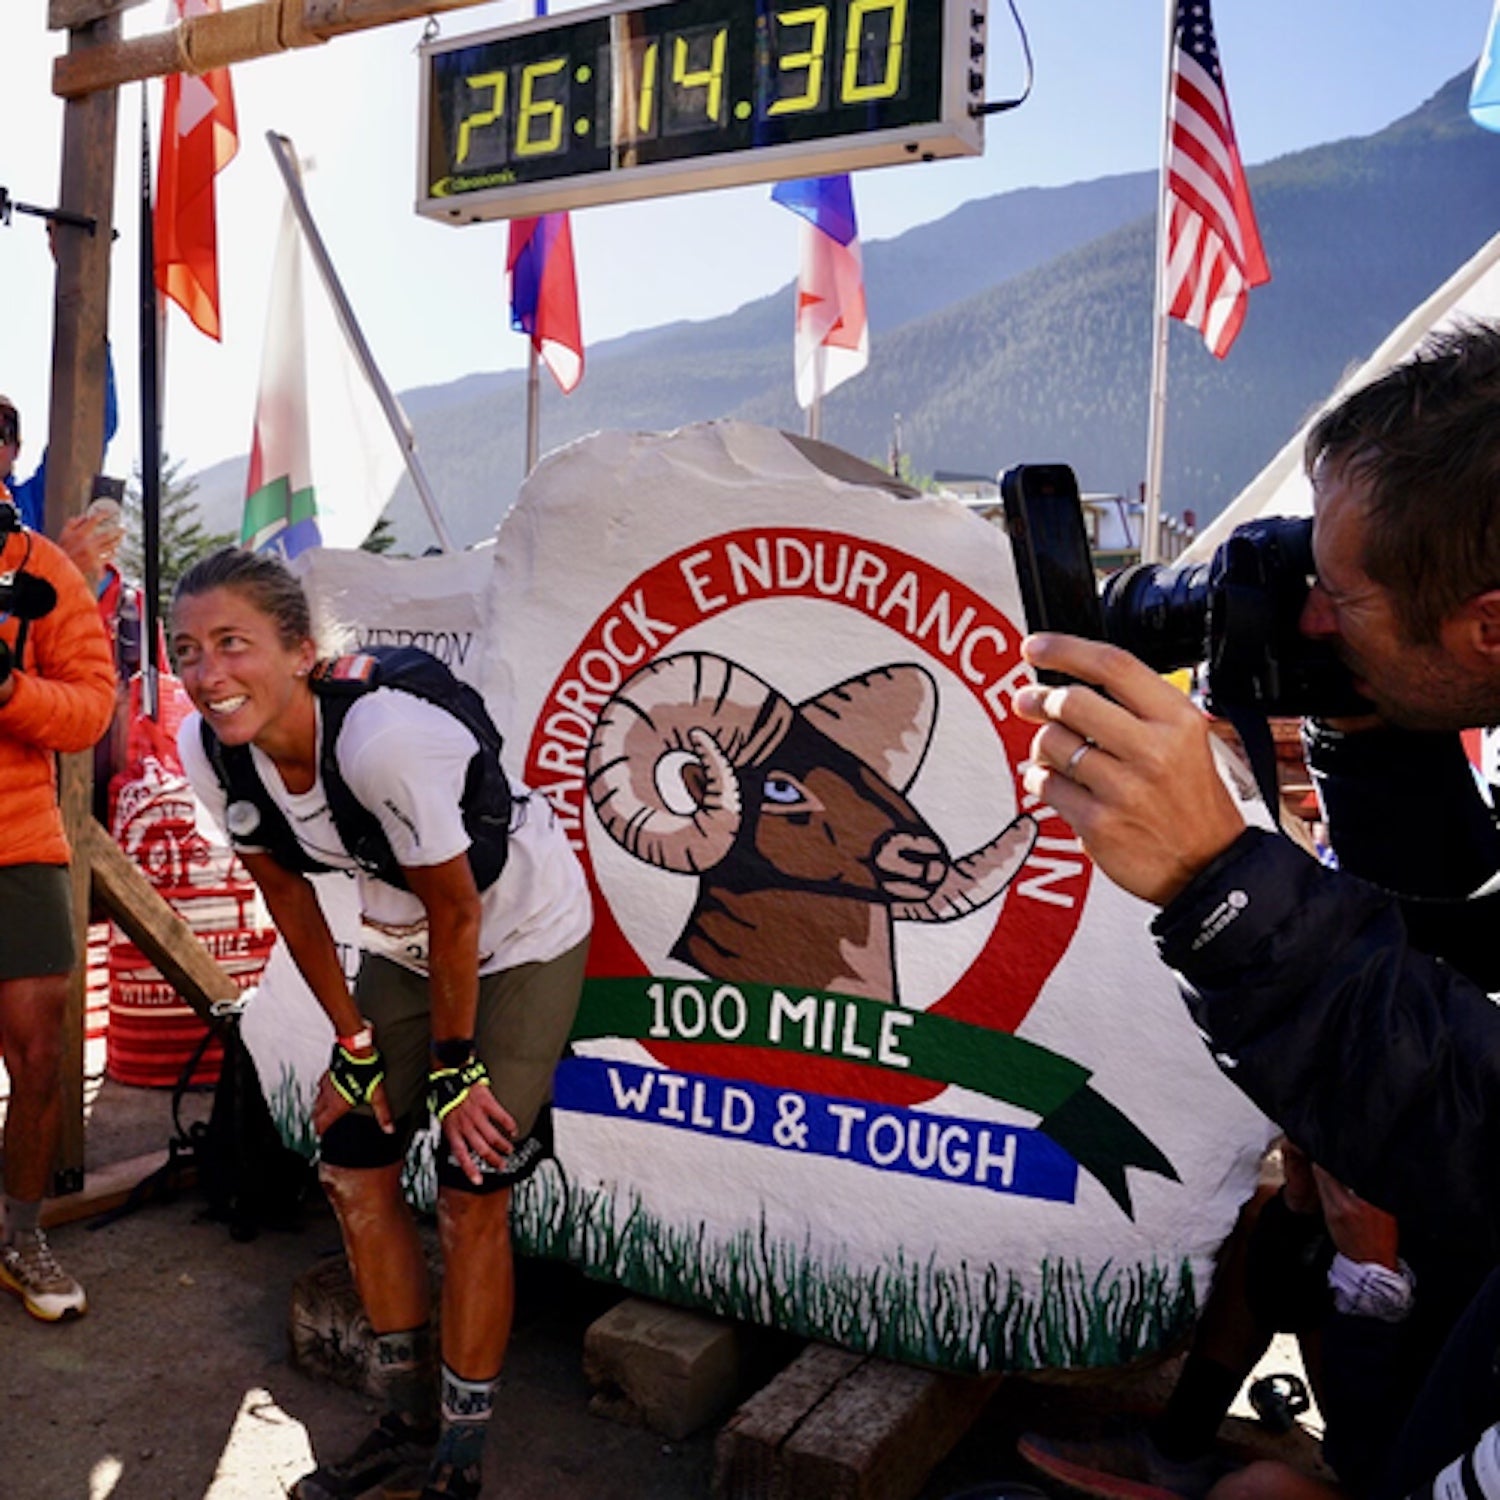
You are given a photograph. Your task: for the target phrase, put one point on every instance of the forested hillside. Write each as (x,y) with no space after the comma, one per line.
(1017,328)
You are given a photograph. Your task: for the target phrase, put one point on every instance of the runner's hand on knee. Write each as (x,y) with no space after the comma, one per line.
(355,1076)
(477,1127)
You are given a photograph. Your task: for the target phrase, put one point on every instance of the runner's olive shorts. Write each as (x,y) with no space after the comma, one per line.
(36,921)
(525,1015)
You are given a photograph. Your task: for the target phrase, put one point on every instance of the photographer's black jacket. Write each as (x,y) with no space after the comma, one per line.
(1317,997)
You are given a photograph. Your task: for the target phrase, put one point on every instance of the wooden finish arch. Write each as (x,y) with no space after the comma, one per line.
(87,76)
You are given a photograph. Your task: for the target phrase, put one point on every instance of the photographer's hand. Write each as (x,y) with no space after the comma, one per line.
(1133,774)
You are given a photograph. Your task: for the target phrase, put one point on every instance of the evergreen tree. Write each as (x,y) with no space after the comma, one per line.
(182,537)
(381,539)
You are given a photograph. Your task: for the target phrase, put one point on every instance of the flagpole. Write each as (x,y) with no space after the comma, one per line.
(533,407)
(150,433)
(400,427)
(1157,419)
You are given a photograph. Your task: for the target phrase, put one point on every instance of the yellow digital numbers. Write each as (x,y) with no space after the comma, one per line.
(530,110)
(687,111)
(645,116)
(858,48)
(872,64)
(660,81)
(494,85)
(810,61)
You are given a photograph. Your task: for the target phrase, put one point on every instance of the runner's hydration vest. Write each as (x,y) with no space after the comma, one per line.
(255,821)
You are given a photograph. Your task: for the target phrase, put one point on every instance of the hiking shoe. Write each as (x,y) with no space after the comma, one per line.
(1125,1465)
(439,1481)
(444,1482)
(30,1270)
(392,1447)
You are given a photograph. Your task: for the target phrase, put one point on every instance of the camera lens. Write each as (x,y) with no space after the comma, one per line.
(1159,614)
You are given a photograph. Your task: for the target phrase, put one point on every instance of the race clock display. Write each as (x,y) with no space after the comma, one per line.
(637,101)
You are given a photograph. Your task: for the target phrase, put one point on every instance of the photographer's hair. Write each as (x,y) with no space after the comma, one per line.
(263,578)
(10,422)
(1424,440)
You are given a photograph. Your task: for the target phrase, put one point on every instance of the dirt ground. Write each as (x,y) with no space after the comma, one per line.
(177,1385)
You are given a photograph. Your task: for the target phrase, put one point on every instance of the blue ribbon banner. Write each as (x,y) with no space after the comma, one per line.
(943,1148)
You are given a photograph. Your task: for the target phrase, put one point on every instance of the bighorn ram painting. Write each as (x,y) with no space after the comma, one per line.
(793,817)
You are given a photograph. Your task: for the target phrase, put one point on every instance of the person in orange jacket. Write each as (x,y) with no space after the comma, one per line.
(57,693)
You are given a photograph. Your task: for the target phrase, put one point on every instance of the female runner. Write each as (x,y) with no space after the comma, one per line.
(464,998)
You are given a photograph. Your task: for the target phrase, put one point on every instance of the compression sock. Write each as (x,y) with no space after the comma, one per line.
(1200,1400)
(466,1407)
(404,1373)
(20,1218)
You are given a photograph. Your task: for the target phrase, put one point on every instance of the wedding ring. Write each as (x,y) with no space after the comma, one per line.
(1076,758)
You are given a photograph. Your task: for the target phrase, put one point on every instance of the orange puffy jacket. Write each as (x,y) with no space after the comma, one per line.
(63,700)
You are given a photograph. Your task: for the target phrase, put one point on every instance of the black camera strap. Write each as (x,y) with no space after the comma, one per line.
(1254,731)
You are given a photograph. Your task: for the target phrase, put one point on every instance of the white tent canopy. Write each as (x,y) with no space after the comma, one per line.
(1281,489)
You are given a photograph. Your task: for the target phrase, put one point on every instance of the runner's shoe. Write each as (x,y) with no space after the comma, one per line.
(30,1270)
(391,1448)
(1124,1465)
(444,1482)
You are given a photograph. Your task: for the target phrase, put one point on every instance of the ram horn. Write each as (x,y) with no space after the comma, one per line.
(662,759)
(975,879)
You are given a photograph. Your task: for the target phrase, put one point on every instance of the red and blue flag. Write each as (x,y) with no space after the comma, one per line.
(833,332)
(544,294)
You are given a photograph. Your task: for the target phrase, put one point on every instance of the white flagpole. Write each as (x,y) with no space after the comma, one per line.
(400,427)
(1157,421)
(533,406)
(820,357)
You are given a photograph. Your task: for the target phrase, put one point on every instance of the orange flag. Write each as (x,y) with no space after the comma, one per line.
(199,137)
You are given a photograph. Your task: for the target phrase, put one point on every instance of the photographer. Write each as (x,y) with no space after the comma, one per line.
(1315,989)
(56,695)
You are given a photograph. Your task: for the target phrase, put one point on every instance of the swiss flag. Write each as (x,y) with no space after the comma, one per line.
(199,137)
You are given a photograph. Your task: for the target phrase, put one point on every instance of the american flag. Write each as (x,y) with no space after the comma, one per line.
(1214,253)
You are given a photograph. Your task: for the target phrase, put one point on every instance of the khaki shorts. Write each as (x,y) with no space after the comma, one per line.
(36,921)
(525,1015)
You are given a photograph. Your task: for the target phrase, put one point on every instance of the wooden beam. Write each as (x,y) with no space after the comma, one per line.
(67,15)
(154,927)
(75,446)
(221,38)
(843,1426)
(109,1187)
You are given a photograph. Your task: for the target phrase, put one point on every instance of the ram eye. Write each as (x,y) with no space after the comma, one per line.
(783,791)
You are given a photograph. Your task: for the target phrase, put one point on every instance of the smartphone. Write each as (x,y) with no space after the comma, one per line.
(109,517)
(1054,564)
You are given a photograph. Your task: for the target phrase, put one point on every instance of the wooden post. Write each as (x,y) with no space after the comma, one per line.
(75,445)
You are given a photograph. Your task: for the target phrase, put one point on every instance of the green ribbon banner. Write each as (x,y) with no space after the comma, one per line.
(873,1033)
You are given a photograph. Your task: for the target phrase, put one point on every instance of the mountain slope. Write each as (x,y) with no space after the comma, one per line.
(1018,328)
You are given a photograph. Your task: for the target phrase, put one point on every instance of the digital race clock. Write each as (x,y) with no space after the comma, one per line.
(636,101)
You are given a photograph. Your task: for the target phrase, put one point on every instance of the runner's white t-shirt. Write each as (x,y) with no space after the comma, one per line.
(404,759)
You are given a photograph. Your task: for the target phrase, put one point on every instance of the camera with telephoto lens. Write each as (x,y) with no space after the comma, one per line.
(1238,614)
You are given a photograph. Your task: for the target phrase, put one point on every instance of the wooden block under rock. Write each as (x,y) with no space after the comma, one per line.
(840,1426)
(664,1367)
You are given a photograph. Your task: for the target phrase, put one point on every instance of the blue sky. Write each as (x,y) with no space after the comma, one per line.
(432,298)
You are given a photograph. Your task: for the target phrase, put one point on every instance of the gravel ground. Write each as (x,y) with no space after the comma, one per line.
(177,1385)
